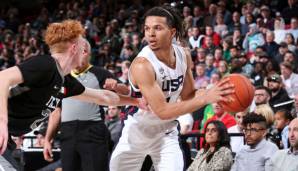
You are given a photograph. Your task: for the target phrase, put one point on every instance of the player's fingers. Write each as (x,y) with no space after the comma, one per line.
(223,81)
(4,145)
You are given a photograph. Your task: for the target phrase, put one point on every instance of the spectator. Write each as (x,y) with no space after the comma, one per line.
(195,39)
(221,115)
(200,56)
(266,111)
(237,142)
(209,65)
(200,75)
(282,119)
(286,160)
(290,41)
(253,39)
(262,95)
(283,48)
(290,11)
(289,78)
(223,68)
(266,17)
(258,74)
(256,153)
(216,154)
(220,28)
(214,36)
(236,24)
(113,123)
(279,94)
(270,46)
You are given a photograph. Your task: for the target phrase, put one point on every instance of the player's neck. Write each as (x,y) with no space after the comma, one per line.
(167,56)
(63,62)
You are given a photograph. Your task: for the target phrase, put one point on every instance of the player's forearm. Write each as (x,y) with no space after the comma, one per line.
(122,89)
(4,91)
(54,121)
(125,100)
(173,110)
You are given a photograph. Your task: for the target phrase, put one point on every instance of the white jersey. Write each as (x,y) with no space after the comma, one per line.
(169,80)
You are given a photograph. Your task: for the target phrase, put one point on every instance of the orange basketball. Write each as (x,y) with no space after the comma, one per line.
(243,96)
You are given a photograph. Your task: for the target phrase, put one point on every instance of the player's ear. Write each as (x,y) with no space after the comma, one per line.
(173,32)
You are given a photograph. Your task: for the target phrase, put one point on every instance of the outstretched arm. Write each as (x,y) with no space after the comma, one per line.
(8,77)
(106,97)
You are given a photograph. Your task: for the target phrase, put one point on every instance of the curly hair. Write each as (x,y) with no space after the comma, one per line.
(58,35)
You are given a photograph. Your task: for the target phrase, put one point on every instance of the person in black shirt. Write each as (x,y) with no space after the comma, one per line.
(30,91)
(86,120)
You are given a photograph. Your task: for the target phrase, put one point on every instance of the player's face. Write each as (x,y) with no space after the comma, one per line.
(157,32)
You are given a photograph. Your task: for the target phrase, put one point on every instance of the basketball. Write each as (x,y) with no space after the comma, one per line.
(243,96)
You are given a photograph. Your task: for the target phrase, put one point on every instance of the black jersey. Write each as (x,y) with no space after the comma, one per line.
(41,92)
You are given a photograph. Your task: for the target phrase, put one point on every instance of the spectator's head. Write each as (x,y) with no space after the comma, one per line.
(286,69)
(294,23)
(216,135)
(186,11)
(197,11)
(283,48)
(218,109)
(208,41)
(125,67)
(209,30)
(266,111)
(262,95)
(169,24)
(265,11)
(212,9)
(255,129)
(215,77)
(195,32)
(209,60)
(234,51)
(200,69)
(201,55)
(289,39)
(269,36)
(289,57)
(282,118)
(223,67)
(249,18)
(236,17)
(67,38)
(274,83)
(293,134)
(113,111)
(219,19)
(239,118)
(218,54)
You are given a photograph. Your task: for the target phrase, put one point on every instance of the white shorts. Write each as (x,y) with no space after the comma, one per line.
(160,142)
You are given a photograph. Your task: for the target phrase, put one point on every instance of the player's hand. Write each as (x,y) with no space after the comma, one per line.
(220,92)
(110,84)
(47,151)
(3,136)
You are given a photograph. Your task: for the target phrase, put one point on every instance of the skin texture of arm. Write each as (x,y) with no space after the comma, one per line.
(8,77)
(105,97)
(54,121)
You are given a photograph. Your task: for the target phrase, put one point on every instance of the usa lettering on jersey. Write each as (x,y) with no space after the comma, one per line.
(172,84)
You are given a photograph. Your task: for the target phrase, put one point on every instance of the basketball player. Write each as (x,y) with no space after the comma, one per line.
(86,120)
(31,90)
(161,73)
